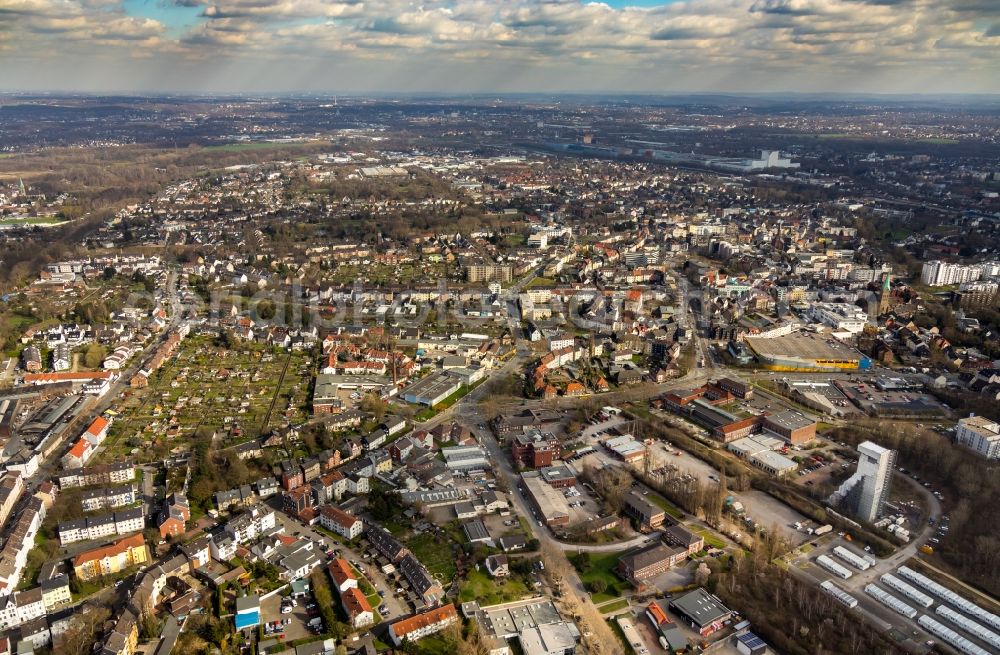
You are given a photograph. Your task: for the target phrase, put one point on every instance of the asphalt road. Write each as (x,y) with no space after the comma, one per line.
(168,635)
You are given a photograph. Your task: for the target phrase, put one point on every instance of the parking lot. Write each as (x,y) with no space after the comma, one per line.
(582,506)
(600,429)
(764,509)
(297,620)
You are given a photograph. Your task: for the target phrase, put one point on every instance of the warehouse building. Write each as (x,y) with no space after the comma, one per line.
(627,448)
(326,398)
(759,450)
(534,622)
(433,389)
(550,504)
(464,459)
(773,463)
(702,611)
(794,427)
(806,351)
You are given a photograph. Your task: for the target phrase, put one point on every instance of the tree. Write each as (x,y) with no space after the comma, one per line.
(375,406)
(266,309)
(702,574)
(94,355)
(580,561)
(191,642)
(79,637)
(597,586)
(383,503)
(611,483)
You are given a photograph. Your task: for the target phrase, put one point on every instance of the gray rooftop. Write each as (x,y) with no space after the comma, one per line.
(701,607)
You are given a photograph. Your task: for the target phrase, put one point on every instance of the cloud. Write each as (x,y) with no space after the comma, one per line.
(775,43)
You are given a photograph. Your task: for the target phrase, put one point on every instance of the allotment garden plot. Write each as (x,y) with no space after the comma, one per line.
(236,393)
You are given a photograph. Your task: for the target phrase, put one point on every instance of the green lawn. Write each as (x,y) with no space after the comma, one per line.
(33,220)
(711,539)
(665,505)
(367,589)
(601,566)
(255,145)
(437,557)
(435,644)
(541,282)
(479,586)
(614,607)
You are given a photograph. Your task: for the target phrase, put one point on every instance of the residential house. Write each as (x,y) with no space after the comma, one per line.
(342,575)
(423,624)
(359,611)
(343,523)
(112,558)
(498,566)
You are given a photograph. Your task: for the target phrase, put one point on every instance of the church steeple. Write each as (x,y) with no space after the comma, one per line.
(885,295)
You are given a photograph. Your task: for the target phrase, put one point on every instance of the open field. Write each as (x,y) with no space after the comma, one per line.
(711,539)
(843,136)
(33,220)
(255,145)
(665,505)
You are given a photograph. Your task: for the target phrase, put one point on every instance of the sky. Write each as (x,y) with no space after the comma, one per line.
(500,46)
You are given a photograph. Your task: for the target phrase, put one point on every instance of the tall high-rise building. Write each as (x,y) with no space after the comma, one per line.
(864,493)
(937,273)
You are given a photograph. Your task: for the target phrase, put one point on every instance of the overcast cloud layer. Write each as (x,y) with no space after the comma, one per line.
(214,46)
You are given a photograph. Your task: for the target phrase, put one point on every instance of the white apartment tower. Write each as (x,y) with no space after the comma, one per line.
(937,273)
(980,434)
(865,492)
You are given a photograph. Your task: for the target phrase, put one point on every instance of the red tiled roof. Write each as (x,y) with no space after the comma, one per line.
(100,423)
(340,516)
(66,377)
(437,615)
(355,602)
(341,571)
(79,448)
(120,546)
